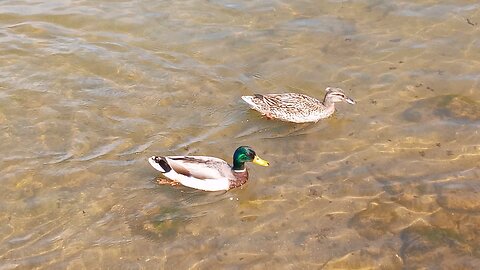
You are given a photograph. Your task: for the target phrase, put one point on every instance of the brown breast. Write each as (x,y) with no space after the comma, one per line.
(240,179)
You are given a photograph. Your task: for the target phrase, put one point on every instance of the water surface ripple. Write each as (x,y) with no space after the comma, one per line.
(90,89)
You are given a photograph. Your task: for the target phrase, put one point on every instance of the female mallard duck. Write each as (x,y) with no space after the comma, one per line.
(207,173)
(298,108)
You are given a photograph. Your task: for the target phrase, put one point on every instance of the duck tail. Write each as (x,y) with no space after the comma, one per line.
(249,100)
(160,164)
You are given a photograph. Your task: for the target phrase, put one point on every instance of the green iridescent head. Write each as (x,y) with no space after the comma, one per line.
(246,154)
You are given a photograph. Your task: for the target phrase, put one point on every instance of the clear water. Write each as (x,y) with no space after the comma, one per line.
(90,89)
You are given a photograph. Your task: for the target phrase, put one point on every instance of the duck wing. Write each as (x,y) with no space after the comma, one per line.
(287,100)
(289,106)
(200,167)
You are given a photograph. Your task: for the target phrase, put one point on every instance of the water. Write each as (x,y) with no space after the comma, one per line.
(90,89)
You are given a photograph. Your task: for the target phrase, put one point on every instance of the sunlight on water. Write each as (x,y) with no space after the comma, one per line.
(90,89)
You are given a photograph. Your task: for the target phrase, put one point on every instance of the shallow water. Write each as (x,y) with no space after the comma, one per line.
(90,89)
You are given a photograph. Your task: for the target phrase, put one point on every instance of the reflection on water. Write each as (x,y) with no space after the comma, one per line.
(89,90)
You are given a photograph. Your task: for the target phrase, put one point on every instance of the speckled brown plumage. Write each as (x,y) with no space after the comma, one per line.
(297,108)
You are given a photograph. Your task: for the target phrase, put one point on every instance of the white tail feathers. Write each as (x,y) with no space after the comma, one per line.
(249,101)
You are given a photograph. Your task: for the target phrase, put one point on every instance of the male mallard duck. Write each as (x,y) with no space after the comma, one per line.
(298,108)
(207,173)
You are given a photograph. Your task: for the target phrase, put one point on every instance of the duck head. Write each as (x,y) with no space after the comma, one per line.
(246,154)
(335,94)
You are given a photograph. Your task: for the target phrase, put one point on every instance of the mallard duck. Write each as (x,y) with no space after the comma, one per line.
(297,108)
(207,173)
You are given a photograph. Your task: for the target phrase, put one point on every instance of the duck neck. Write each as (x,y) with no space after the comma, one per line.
(328,103)
(238,165)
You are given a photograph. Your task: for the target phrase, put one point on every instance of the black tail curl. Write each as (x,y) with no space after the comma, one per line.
(163,163)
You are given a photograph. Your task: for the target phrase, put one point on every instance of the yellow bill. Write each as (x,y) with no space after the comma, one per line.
(259,161)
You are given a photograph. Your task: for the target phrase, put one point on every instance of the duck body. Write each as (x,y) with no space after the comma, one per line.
(206,173)
(297,108)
